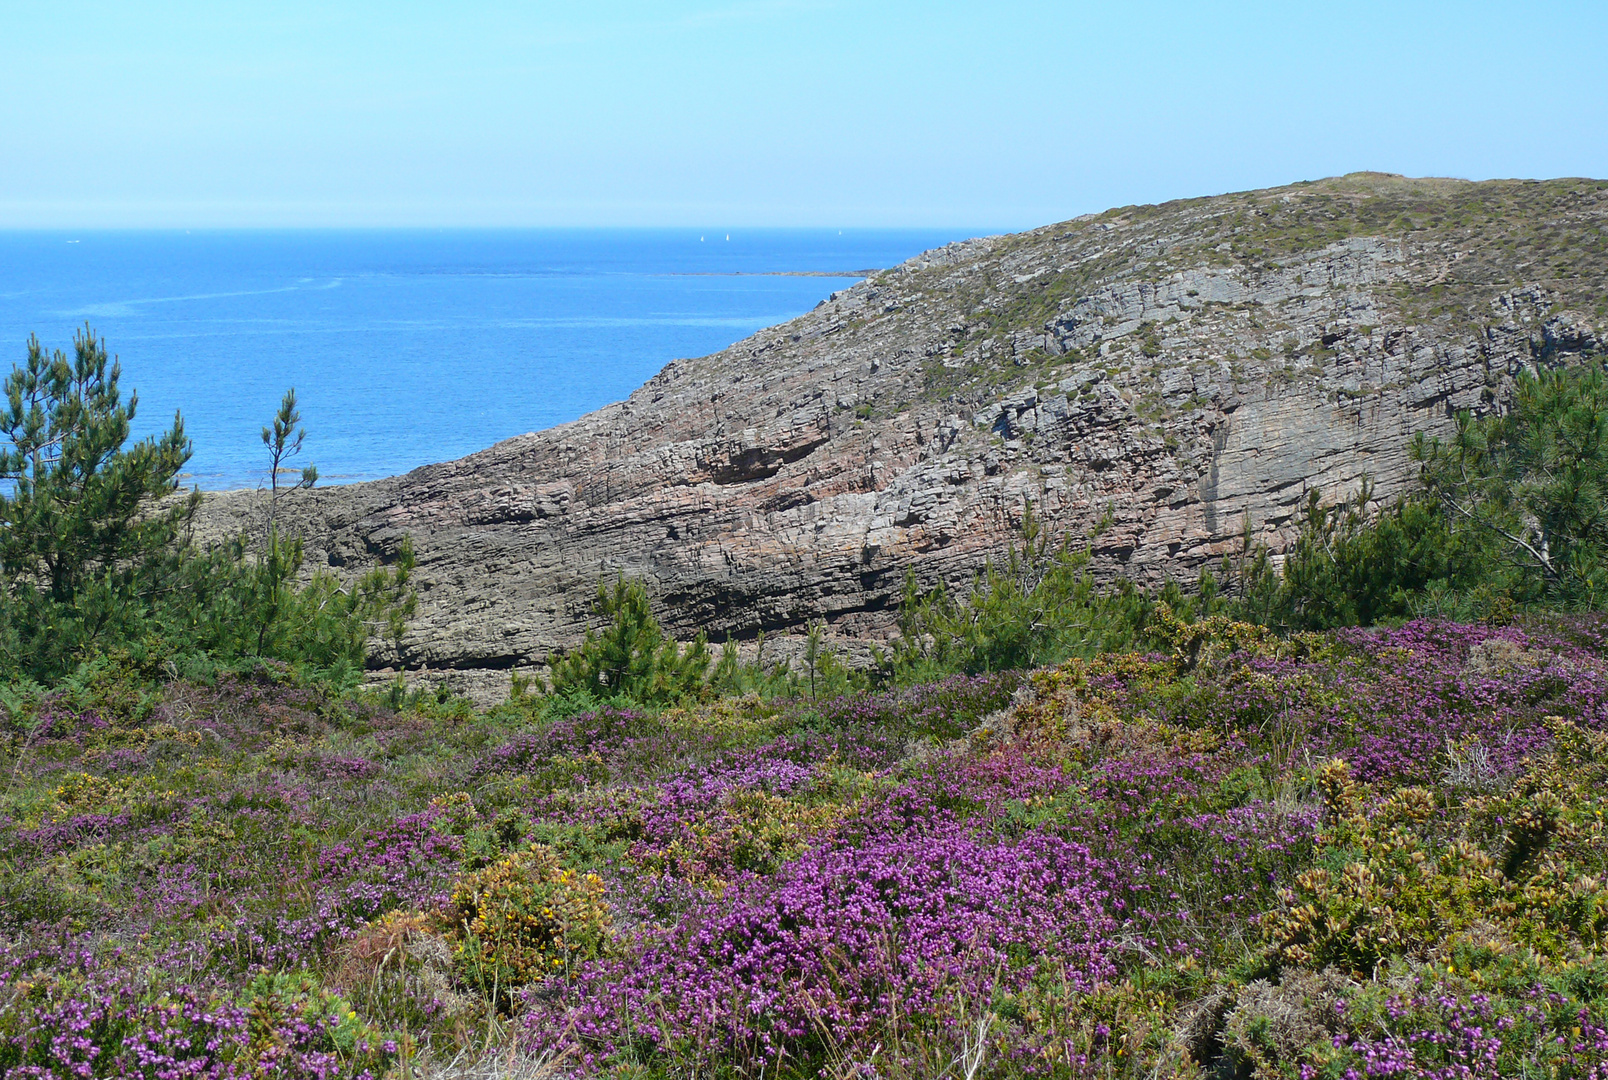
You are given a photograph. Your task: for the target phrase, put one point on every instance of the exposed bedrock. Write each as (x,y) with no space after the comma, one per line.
(1179,369)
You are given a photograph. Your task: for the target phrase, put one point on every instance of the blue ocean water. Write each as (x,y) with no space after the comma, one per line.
(407,346)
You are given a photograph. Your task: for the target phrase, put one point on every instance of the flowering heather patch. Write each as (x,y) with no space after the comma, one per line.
(842,938)
(945,709)
(70,1012)
(1389,701)
(1376,853)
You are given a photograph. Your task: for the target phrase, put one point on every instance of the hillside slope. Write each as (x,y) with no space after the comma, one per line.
(1174,370)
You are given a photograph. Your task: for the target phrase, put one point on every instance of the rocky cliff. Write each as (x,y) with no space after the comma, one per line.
(1175,370)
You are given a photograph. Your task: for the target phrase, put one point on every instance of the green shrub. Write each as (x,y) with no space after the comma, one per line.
(83,547)
(1349,569)
(256,606)
(630,657)
(1041,607)
(1529,485)
(1510,512)
(525,918)
(95,557)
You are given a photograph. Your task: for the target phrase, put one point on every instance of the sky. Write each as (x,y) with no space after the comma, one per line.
(729,113)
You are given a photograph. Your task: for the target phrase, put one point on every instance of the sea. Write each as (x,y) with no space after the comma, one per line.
(407,347)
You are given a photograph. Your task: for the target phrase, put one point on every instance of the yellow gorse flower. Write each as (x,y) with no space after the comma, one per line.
(522,918)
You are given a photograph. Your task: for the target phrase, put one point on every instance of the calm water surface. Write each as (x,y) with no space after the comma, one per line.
(407,347)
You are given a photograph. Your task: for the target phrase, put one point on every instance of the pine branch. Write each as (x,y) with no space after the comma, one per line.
(1539,556)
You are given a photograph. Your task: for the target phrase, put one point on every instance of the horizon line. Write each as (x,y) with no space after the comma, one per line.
(707,229)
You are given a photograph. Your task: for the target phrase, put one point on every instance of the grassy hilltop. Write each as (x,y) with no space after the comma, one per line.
(1459,242)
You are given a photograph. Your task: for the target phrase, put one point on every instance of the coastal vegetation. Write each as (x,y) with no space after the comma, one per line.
(1502,231)
(1341,819)
(98,559)
(1234,853)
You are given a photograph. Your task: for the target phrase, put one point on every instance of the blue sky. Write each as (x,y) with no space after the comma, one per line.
(764,112)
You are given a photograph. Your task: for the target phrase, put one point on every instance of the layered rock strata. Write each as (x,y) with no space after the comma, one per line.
(1155,378)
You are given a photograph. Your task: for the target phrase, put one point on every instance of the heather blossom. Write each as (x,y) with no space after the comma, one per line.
(1101,869)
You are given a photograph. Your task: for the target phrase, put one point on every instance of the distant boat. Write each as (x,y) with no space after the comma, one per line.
(72,241)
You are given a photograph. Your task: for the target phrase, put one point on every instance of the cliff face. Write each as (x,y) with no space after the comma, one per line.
(1175,370)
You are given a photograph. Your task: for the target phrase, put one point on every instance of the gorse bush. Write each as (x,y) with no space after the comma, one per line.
(525,918)
(1493,902)
(1382,889)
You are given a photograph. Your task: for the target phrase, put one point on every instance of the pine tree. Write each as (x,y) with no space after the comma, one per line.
(284,441)
(95,556)
(631,657)
(84,544)
(1530,485)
